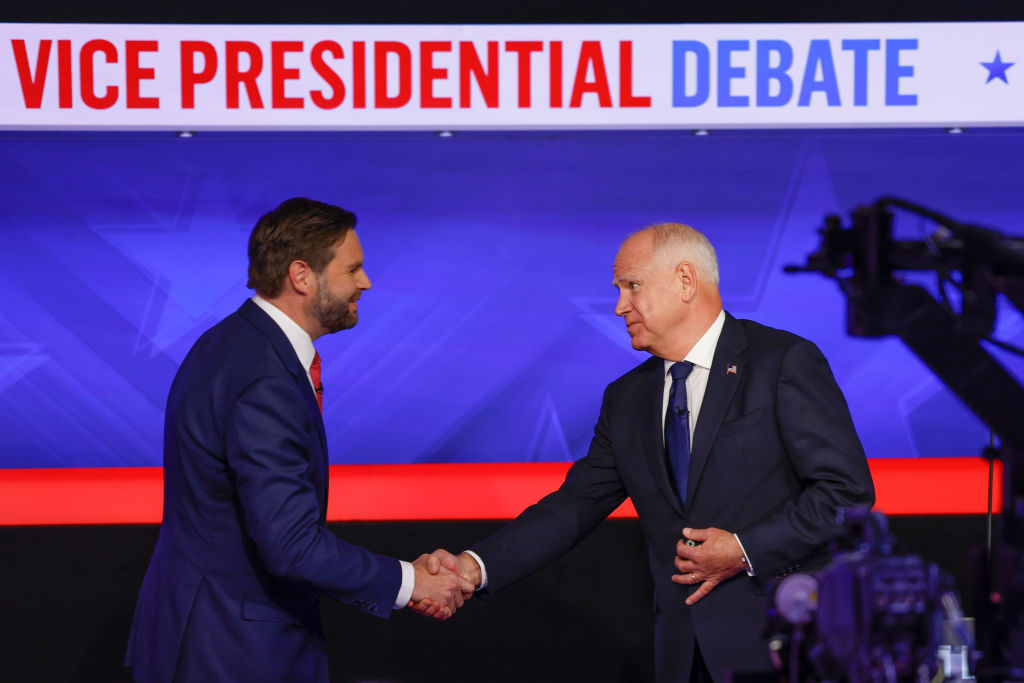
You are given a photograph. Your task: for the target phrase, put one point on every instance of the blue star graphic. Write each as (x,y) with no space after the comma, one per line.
(997,69)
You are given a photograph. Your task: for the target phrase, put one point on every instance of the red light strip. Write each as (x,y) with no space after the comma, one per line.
(134,495)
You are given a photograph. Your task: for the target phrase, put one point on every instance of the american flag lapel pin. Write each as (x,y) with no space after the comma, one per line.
(730,369)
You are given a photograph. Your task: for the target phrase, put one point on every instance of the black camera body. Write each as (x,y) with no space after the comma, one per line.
(869,615)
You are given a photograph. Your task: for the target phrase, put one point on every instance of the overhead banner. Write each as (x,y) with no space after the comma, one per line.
(452,77)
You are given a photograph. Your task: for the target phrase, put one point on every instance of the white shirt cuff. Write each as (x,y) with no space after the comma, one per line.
(746,560)
(408,583)
(483,569)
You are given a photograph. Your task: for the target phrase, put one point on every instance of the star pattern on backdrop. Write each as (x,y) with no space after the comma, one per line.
(997,69)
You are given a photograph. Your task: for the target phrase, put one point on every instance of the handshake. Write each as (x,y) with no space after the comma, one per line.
(443,583)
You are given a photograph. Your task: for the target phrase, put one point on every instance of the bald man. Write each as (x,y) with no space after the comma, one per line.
(735,445)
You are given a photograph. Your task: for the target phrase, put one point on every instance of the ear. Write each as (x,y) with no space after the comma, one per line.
(686,275)
(301,278)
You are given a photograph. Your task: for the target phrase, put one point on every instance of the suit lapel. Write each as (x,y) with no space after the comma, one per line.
(263,322)
(653,432)
(726,373)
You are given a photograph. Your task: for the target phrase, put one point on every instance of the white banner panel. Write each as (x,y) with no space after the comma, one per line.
(384,77)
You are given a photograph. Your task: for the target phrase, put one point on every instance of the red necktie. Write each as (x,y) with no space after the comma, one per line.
(314,374)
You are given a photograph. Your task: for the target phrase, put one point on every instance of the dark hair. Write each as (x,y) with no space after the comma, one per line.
(298,230)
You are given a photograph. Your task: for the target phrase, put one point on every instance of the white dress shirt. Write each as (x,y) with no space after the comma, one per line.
(303,345)
(701,355)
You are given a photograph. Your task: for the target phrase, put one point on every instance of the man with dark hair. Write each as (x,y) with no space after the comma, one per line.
(244,554)
(735,445)
(297,230)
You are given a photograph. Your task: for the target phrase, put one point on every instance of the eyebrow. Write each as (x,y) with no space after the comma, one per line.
(625,277)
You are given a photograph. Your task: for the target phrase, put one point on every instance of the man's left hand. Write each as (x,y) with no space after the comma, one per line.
(718,557)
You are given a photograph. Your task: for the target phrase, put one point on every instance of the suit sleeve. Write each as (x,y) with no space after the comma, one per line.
(544,531)
(268,452)
(824,452)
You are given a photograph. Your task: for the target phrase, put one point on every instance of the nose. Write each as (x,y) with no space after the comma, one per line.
(363,282)
(622,306)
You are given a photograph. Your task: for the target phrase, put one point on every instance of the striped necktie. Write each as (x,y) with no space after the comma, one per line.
(314,374)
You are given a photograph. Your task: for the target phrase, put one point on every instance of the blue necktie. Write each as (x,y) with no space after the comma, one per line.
(677,427)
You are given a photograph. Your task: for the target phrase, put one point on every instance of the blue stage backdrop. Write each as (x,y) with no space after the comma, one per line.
(489,333)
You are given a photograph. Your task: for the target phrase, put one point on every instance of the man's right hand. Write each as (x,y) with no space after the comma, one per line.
(441,561)
(438,590)
(464,564)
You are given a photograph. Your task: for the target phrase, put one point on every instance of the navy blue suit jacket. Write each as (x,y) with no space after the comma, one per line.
(774,456)
(243,555)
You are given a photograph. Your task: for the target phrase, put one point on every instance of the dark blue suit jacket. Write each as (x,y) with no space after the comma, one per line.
(232,590)
(774,456)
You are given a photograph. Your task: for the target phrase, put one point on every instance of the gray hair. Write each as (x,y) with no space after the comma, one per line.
(687,243)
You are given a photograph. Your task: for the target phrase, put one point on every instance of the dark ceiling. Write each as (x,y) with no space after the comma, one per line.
(516,11)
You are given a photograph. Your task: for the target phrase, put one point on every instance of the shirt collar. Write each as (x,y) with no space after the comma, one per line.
(703,352)
(297,336)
